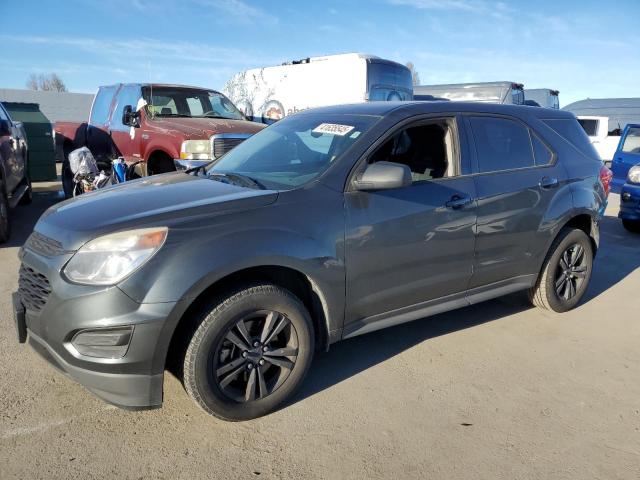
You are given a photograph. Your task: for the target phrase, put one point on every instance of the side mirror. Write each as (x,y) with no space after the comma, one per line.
(383,176)
(130,117)
(5,127)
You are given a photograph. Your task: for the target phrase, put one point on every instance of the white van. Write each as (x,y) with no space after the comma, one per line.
(270,93)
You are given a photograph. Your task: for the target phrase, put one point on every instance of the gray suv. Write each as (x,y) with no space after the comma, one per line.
(328,224)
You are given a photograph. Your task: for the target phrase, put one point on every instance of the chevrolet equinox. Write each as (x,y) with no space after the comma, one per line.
(328,224)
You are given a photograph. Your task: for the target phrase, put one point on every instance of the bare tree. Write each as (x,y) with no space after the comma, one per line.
(32,82)
(51,82)
(415,76)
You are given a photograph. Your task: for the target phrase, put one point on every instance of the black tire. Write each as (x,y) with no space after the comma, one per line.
(233,382)
(632,226)
(560,289)
(5,214)
(67,179)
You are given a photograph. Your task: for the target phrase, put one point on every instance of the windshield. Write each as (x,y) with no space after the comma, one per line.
(183,102)
(294,150)
(389,82)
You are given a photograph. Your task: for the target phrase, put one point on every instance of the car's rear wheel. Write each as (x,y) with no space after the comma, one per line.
(632,226)
(565,273)
(250,353)
(5,225)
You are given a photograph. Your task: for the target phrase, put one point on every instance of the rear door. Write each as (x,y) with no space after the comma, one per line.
(627,155)
(516,179)
(126,139)
(98,135)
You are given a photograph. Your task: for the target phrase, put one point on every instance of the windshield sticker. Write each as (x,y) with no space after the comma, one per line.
(333,129)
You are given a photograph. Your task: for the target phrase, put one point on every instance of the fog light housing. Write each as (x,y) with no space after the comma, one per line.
(103,342)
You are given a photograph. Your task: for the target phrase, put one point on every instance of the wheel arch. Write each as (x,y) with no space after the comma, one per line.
(158,155)
(297,282)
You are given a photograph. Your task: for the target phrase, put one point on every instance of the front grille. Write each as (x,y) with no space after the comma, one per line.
(34,288)
(44,245)
(221,144)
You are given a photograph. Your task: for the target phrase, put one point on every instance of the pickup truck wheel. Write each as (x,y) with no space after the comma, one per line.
(565,273)
(5,225)
(67,179)
(27,197)
(250,353)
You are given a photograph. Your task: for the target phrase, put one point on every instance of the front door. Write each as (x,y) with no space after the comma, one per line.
(407,246)
(627,155)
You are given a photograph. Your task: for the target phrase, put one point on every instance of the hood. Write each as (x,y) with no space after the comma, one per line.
(202,128)
(157,200)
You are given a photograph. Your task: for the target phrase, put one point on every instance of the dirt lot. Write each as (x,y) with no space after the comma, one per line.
(499,390)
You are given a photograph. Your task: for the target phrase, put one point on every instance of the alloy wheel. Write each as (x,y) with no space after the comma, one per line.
(571,272)
(255,356)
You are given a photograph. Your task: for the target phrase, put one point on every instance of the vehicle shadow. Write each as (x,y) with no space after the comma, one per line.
(24,217)
(350,357)
(618,256)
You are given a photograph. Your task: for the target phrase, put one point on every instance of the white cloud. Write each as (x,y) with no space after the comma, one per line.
(240,11)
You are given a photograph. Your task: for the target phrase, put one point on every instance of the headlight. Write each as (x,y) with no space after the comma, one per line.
(634,174)
(107,260)
(195,150)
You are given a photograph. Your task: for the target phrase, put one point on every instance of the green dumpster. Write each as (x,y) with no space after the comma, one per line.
(42,162)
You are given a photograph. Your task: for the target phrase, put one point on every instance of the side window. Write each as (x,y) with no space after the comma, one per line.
(428,151)
(128,95)
(3,114)
(632,141)
(590,126)
(161,105)
(101,106)
(501,144)
(543,155)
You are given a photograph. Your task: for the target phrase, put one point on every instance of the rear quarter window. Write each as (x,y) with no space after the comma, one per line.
(572,132)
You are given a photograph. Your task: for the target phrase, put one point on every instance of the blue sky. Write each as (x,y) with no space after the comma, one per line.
(582,48)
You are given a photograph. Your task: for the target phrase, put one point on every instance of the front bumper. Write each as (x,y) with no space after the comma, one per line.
(630,202)
(132,381)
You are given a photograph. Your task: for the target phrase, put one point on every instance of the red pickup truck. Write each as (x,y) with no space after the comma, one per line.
(156,125)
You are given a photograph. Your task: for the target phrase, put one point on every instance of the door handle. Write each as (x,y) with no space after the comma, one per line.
(457,202)
(548,182)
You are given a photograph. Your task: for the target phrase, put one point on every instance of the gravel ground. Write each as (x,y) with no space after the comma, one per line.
(499,390)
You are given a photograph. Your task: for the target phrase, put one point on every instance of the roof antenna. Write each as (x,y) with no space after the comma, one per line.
(151,110)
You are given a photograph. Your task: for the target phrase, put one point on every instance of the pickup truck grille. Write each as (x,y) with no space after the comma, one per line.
(44,245)
(221,144)
(34,289)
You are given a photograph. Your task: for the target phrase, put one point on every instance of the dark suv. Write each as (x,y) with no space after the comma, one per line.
(328,224)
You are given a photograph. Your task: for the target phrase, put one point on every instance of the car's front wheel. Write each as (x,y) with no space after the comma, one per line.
(565,273)
(250,353)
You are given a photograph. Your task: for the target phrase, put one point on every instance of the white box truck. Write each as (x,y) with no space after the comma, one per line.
(270,93)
